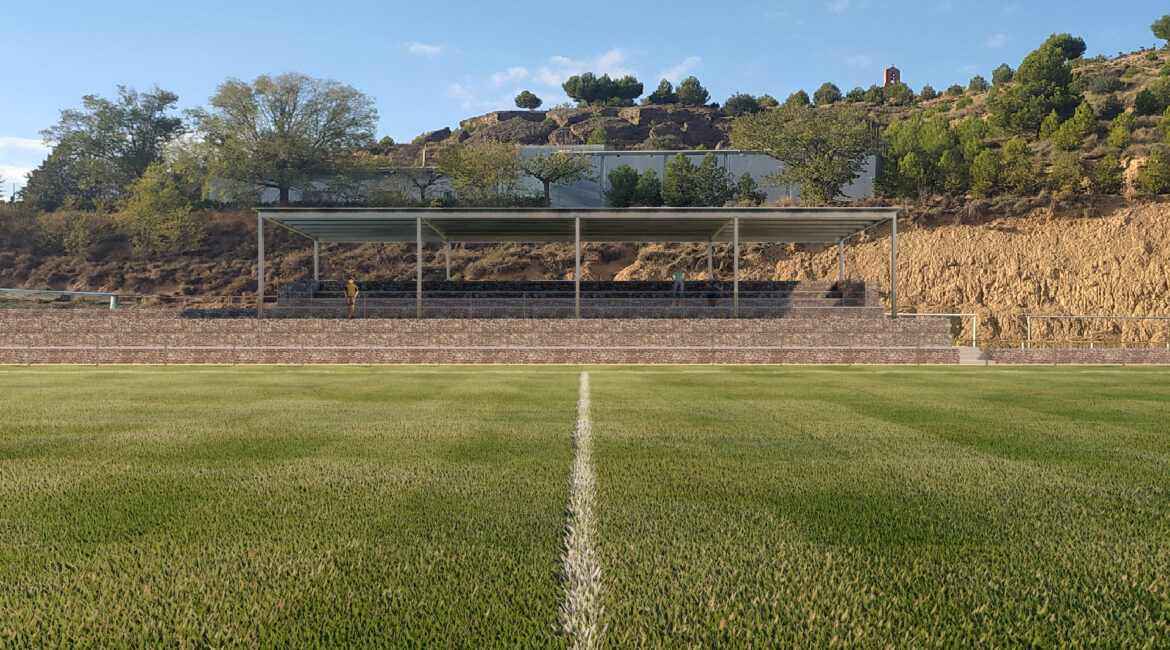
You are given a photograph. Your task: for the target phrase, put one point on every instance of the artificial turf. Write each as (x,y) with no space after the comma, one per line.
(737,507)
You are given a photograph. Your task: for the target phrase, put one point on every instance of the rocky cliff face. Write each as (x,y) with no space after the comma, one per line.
(630,127)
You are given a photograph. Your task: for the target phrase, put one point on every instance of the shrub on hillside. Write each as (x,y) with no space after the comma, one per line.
(1002,75)
(827,94)
(1066,174)
(1102,83)
(985,171)
(1153,176)
(928,92)
(978,84)
(741,104)
(1111,108)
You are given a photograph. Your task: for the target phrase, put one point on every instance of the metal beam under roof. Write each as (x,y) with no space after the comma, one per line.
(538,225)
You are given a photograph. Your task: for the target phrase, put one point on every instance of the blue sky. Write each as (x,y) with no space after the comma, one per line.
(431,64)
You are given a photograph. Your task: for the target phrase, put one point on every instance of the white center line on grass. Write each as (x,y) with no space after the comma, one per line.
(581,611)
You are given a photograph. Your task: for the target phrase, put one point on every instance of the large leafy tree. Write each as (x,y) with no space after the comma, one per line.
(1041,85)
(100,149)
(827,94)
(822,150)
(484,173)
(559,168)
(285,131)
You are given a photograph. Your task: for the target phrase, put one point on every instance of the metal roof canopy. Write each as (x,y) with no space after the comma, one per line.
(587,225)
(539,225)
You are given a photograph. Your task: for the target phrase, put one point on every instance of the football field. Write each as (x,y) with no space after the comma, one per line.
(722,507)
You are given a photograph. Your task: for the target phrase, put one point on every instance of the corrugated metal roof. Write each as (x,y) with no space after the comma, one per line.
(536,225)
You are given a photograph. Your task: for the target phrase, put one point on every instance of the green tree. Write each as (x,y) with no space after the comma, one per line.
(823,150)
(559,168)
(285,132)
(1153,176)
(528,100)
(97,151)
(716,186)
(767,101)
(1066,174)
(69,178)
(1164,124)
(913,148)
(954,90)
(972,132)
(1002,75)
(680,182)
(590,90)
(127,134)
(748,192)
(1068,136)
(1107,178)
(664,94)
(1050,126)
(1146,103)
(952,170)
(899,94)
(874,95)
(484,173)
(1017,175)
(827,94)
(978,84)
(798,98)
(1111,108)
(692,93)
(598,136)
(857,94)
(1084,120)
(1121,130)
(985,174)
(1161,28)
(928,92)
(740,104)
(158,216)
(623,186)
(1041,85)
(648,193)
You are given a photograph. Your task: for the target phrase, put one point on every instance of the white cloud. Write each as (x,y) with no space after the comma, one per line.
(424,49)
(559,68)
(13,142)
(12,175)
(859,61)
(999,40)
(677,72)
(516,73)
(838,7)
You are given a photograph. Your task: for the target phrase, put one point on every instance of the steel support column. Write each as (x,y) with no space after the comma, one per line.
(316,261)
(418,268)
(259,265)
(841,260)
(735,267)
(577,267)
(894,266)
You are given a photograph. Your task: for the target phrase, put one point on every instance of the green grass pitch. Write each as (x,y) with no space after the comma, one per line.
(740,507)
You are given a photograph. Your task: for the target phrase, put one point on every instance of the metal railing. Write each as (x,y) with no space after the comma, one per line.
(1030,317)
(974,328)
(25,294)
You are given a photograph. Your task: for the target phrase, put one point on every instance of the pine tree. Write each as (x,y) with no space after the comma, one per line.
(1153,176)
(1107,178)
(1067,174)
(985,170)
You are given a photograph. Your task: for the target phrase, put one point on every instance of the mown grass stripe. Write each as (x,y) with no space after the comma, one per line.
(582,611)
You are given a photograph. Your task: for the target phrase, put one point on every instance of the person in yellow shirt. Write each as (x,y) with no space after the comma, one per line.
(351,294)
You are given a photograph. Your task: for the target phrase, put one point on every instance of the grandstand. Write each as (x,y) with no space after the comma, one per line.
(441,321)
